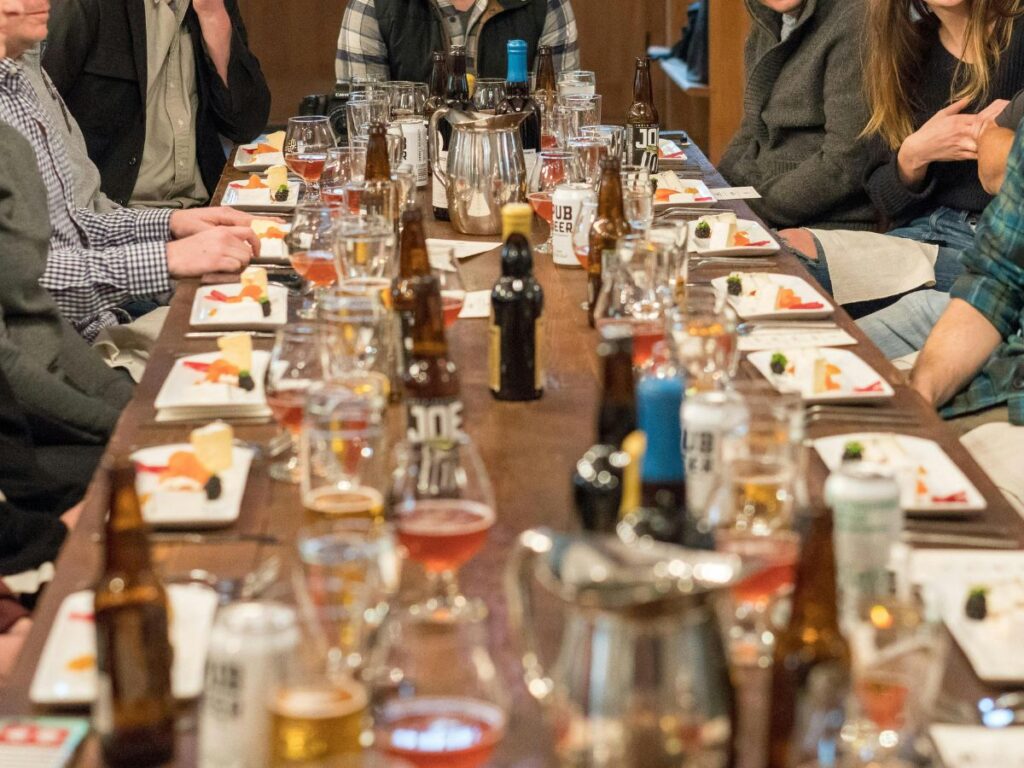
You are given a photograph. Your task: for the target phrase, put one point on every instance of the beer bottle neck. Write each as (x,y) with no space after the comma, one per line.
(427,331)
(642,90)
(439,76)
(545,70)
(378,167)
(458,83)
(414,260)
(609,199)
(814,593)
(616,415)
(126,545)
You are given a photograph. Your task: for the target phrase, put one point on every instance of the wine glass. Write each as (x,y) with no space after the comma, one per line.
(365,247)
(437,714)
(554,167)
(581,232)
(703,329)
(295,366)
(363,110)
(589,155)
(576,82)
(442,505)
(489,93)
(306,142)
(351,329)
(344,164)
(445,267)
(613,134)
(312,245)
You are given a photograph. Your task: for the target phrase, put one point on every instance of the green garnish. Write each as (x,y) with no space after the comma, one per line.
(779,363)
(853,451)
(703,230)
(734,284)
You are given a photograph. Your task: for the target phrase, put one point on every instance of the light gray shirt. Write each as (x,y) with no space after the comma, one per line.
(169,175)
(789,21)
(86,174)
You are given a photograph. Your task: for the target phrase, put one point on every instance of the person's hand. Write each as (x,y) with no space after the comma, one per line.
(70,518)
(221,249)
(988,115)
(947,136)
(194,220)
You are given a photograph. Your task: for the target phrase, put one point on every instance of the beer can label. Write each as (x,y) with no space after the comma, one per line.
(434,419)
(439,195)
(567,204)
(642,146)
(415,151)
(700,457)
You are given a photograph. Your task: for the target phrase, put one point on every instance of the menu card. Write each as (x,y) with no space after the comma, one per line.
(40,742)
(964,746)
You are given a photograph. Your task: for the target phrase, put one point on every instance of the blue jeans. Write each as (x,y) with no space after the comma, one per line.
(951,230)
(903,327)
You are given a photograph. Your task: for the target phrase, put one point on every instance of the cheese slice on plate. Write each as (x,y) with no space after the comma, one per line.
(276,140)
(723,230)
(276,176)
(256,276)
(267,228)
(213,446)
(237,349)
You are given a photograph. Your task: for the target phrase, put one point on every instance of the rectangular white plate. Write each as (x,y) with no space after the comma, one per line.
(967,746)
(759,293)
(179,508)
(212,315)
(273,249)
(246,160)
(238,196)
(73,636)
(854,374)
(791,338)
(184,388)
(755,233)
(913,459)
(693,191)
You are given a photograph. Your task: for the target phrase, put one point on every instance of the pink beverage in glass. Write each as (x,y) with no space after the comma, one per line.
(442,534)
(315,266)
(333,195)
(353,192)
(451,306)
(776,557)
(582,255)
(287,405)
(308,165)
(542,206)
(883,697)
(548,141)
(440,732)
(645,333)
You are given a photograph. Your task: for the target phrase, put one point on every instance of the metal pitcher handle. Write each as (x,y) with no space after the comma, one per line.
(434,148)
(522,616)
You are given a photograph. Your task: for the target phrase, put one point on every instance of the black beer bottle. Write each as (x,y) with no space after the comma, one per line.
(545,90)
(518,99)
(642,122)
(457,98)
(599,477)
(413,262)
(134,709)
(438,84)
(517,305)
(431,380)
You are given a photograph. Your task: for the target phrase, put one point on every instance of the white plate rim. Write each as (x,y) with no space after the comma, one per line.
(278,309)
(260,360)
(738,250)
(762,358)
(720,283)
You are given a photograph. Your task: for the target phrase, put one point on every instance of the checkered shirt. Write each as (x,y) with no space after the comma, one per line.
(361,49)
(97,261)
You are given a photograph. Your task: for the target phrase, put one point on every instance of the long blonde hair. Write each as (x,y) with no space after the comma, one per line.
(897,39)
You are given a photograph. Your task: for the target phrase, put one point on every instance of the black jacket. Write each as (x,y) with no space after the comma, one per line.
(96,55)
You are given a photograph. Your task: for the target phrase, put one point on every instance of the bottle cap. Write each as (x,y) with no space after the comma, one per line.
(516,217)
(516,61)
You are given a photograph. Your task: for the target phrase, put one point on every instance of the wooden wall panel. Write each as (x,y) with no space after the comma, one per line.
(729,25)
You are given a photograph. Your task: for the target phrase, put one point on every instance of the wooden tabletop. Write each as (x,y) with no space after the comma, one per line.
(529,448)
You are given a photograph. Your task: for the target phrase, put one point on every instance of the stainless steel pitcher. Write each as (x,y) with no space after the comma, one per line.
(484,169)
(641,679)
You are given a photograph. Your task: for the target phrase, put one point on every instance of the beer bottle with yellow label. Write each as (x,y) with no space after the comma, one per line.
(642,121)
(517,307)
(134,709)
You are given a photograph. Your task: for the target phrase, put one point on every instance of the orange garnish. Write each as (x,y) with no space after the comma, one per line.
(830,371)
(220,368)
(263,149)
(742,238)
(922,488)
(273,233)
(663,195)
(252,292)
(185,464)
(785,298)
(254,182)
(82,663)
(690,190)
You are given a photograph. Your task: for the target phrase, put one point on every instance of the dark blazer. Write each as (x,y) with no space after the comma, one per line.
(96,55)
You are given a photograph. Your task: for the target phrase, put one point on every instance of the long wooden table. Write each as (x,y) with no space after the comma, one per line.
(529,448)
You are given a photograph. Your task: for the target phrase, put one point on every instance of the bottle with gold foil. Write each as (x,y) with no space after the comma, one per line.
(811,672)
(134,710)
(515,353)
(609,225)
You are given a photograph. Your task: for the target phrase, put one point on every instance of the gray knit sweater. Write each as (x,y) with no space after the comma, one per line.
(804,109)
(58,379)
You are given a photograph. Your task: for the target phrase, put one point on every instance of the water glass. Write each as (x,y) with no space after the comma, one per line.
(367,83)
(351,328)
(296,365)
(489,93)
(564,125)
(402,94)
(589,154)
(671,242)
(613,134)
(638,207)
(365,247)
(344,164)
(703,331)
(576,82)
(363,111)
(587,107)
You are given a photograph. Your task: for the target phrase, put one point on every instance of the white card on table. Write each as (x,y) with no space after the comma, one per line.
(735,193)
(477,304)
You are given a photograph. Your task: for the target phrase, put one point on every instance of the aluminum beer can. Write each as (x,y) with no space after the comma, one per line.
(867,521)
(414,130)
(250,646)
(567,203)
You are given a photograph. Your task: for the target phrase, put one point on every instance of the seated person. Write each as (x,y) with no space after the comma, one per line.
(804,113)
(923,174)
(393,39)
(973,358)
(151,105)
(97,262)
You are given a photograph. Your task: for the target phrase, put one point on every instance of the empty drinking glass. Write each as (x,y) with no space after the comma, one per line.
(295,366)
(589,153)
(613,134)
(344,164)
(489,93)
(365,248)
(577,82)
(351,331)
(364,110)
(588,108)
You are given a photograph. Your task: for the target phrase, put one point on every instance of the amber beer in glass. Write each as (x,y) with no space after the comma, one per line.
(608,227)
(811,671)
(311,724)
(430,378)
(134,709)
(642,122)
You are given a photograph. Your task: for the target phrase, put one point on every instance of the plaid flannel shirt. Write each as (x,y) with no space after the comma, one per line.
(361,49)
(97,261)
(994,286)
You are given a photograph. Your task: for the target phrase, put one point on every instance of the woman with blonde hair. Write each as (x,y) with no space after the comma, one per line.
(936,73)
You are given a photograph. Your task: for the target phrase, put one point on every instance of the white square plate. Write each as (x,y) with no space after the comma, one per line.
(246,159)
(237,195)
(691,192)
(929,480)
(213,315)
(854,380)
(761,241)
(164,507)
(184,388)
(967,746)
(761,291)
(273,249)
(72,639)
